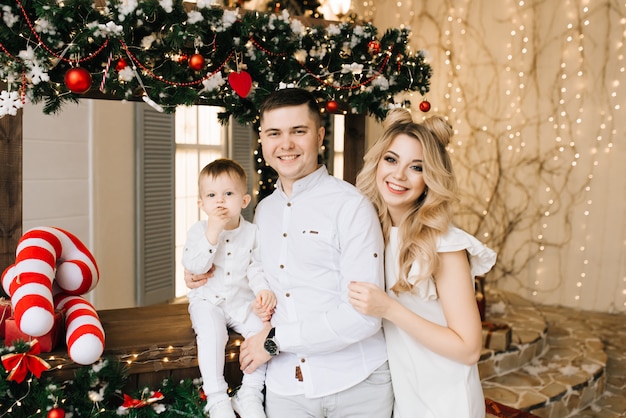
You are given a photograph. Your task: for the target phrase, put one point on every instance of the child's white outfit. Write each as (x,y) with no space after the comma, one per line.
(225,300)
(425,384)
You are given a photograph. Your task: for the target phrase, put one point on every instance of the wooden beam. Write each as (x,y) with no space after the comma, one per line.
(353,147)
(10,186)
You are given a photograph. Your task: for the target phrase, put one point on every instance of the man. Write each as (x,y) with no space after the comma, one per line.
(317,233)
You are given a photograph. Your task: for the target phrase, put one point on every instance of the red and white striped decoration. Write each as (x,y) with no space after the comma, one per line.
(84,334)
(51,261)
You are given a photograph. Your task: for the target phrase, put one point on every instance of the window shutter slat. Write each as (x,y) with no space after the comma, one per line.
(242,143)
(154,206)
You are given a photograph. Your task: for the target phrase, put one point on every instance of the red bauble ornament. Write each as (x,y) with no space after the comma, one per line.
(373,46)
(196,62)
(56,412)
(425,106)
(241,82)
(78,80)
(121,64)
(332,106)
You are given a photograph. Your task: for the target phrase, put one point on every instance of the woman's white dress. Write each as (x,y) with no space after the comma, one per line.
(425,384)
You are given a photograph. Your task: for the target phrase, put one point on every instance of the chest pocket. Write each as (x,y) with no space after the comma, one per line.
(317,247)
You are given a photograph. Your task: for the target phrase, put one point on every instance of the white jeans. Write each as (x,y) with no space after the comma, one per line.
(372,398)
(211,323)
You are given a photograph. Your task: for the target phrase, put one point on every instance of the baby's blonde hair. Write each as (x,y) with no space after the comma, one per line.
(225,166)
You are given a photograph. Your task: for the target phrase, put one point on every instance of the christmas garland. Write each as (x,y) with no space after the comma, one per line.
(171,53)
(27,390)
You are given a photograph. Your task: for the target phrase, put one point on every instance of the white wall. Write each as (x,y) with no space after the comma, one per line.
(78,175)
(57,170)
(114,202)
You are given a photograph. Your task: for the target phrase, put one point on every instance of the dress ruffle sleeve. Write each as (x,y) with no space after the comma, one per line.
(481,258)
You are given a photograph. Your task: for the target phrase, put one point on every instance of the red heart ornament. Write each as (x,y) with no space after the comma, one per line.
(241,82)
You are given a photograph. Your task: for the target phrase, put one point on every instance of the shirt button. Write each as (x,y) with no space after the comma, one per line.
(284,234)
(228,273)
(211,251)
(282,266)
(228,253)
(288,204)
(227,240)
(287,294)
(302,360)
(375,255)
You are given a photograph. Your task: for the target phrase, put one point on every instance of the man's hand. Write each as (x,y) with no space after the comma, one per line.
(196,280)
(251,353)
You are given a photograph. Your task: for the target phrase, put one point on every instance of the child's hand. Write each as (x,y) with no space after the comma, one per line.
(217,221)
(264,304)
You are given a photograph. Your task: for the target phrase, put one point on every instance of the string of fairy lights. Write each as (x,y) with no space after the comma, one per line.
(158,357)
(561,113)
(571,90)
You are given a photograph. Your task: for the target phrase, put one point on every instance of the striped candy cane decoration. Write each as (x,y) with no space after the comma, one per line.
(84,333)
(44,256)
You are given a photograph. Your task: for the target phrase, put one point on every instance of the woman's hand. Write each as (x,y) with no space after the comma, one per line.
(369,299)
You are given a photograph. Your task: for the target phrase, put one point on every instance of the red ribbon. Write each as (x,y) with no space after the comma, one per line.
(130,403)
(20,364)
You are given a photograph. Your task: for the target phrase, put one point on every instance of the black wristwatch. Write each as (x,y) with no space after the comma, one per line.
(271,345)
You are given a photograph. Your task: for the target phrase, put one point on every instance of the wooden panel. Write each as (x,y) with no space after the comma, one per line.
(10,186)
(353,147)
(156,342)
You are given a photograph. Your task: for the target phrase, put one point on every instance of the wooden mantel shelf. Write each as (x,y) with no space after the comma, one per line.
(155,342)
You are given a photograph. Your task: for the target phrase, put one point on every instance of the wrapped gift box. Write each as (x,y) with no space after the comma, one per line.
(496,336)
(5,313)
(47,342)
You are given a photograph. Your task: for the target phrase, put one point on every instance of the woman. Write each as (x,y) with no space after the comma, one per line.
(430,316)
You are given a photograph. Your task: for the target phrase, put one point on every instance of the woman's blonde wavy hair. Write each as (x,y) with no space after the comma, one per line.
(431,215)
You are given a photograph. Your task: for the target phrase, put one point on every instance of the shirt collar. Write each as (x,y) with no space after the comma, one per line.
(305,182)
(231,232)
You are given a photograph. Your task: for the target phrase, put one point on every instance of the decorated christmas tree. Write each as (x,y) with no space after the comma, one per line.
(169,53)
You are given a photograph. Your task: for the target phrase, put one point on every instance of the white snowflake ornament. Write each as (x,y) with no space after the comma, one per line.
(10,103)
(37,74)
(214,82)
(27,54)
(126,74)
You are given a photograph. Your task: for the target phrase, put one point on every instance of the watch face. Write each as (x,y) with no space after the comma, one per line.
(271,347)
